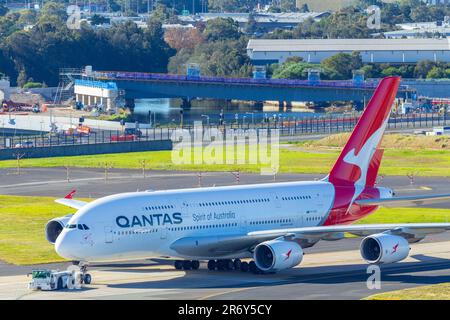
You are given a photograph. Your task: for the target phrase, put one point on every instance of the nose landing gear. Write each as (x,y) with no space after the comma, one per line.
(86,278)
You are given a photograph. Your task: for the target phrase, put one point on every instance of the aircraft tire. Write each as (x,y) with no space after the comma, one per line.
(212,265)
(244,266)
(220,265)
(229,265)
(187,265)
(59,284)
(178,264)
(252,266)
(87,278)
(195,264)
(237,264)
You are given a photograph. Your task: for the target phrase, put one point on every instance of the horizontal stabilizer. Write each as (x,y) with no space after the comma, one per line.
(404,201)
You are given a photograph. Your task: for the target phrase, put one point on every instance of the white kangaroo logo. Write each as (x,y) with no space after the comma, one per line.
(362,160)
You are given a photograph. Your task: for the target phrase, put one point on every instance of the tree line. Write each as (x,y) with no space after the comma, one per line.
(38,54)
(341,66)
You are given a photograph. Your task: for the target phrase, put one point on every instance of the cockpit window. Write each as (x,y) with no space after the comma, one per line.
(79,226)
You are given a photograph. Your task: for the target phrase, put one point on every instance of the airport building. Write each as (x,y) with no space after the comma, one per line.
(264,20)
(265,51)
(324,5)
(433,29)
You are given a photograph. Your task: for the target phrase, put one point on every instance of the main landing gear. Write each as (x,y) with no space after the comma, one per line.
(236,264)
(220,265)
(187,264)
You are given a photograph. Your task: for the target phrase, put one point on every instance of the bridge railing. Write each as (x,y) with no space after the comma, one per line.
(141,76)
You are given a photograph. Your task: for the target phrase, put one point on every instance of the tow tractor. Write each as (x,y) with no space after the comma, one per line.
(46,280)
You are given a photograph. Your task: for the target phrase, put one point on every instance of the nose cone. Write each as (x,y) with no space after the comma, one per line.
(66,248)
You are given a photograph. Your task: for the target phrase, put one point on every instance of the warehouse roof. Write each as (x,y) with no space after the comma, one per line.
(348,45)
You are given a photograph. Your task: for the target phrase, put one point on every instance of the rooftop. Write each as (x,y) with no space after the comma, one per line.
(285,17)
(348,44)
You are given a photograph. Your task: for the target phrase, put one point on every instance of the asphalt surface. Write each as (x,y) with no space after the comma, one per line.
(330,270)
(330,275)
(95,183)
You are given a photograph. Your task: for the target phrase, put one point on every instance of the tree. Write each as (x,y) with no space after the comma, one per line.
(217,58)
(343,64)
(179,38)
(221,29)
(98,20)
(288,5)
(436,73)
(251,26)
(232,5)
(304,8)
(3,10)
(423,67)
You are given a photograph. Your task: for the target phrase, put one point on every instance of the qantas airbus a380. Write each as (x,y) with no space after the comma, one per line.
(270,223)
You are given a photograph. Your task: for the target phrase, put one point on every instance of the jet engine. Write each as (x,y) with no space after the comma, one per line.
(277,255)
(384,248)
(54,227)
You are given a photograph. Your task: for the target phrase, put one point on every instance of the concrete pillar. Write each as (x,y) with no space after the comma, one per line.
(129,103)
(259,105)
(280,105)
(288,105)
(186,104)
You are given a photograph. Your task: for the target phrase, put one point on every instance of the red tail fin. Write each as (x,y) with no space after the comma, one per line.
(351,168)
(374,166)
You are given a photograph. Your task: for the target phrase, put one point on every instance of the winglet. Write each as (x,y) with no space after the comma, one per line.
(70,194)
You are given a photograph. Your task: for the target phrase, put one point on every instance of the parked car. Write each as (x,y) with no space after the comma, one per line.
(25,144)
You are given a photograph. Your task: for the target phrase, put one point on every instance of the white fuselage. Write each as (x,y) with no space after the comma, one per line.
(145,224)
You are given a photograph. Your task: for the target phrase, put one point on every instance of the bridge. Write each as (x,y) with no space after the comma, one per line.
(138,85)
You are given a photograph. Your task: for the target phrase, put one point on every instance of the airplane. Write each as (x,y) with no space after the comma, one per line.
(269,223)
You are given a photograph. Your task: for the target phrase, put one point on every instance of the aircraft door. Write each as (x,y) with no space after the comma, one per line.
(163,233)
(108,235)
(277,202)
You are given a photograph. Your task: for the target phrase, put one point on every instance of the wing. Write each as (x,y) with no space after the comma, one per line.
(404,201)
(76,204)
(216,246)
(70,202)
(418,230)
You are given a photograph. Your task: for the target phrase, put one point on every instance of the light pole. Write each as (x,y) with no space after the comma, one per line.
(207,119)
(243,121)
(253,117)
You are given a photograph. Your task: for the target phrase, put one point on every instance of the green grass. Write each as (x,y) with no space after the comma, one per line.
(407,215)
(434,292)
(22,222)
(295,160)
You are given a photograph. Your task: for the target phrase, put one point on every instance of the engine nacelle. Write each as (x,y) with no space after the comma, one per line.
(384,248)
(54,227)
(277,255)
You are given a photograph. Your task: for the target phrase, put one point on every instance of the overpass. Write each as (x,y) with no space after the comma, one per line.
(137,85)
